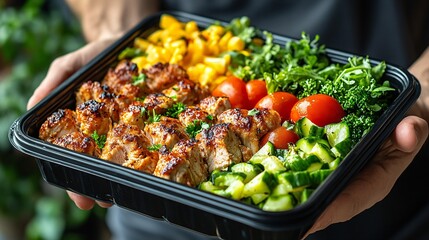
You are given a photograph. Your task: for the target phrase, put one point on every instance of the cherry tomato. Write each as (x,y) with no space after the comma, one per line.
(235,89)
(280,137)
(321,109)
(256,89)
(282,102)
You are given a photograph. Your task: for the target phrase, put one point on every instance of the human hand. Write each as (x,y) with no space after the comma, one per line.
(60,70)
(376,180)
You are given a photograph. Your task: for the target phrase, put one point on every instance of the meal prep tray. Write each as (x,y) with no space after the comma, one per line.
(185,206)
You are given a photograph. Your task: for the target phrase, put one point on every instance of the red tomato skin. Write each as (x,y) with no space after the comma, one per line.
(256,89)
(235,89)
(321,109)
(282,102)
(280,138)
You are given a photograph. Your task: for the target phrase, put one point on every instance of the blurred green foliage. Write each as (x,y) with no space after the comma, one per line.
(32,35)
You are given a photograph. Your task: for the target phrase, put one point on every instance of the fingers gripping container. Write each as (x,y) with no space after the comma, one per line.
(178,204)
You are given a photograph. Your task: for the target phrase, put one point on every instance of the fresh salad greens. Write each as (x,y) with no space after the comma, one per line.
(303,68)
(280,179)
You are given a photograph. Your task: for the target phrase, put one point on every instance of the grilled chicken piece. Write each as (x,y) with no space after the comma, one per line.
(183,164)
(60,123)
(101,93)
(134,115)
(157,102)
(78,142)
(120,81)
(220,146)
(166,132)
(127,145)
(93,117)
(192,114)
(186,91)
(215,105)
(122,74)
(164,75)
(250,128)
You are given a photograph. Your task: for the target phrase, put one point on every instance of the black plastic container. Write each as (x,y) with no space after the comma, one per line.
(176,203)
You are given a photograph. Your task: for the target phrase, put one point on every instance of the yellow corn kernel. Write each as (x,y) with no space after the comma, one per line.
(191,27)
(176,57)
(157,54)
(140,61)
(141,43)
(218,64)
(208,76)
(223,42)
(195,71)
(245,53)
(235,44)
(155,37)
(173,35)
(167,21)
(213,48)
(212,31)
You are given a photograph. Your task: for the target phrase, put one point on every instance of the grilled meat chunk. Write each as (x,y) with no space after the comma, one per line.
(101,93)
(167,132)
(220,146)
(134,114)
(157,102)
(78,142)
(250,128)
(183,164)
(164,75)
(60,123)
(127,145)
(186,91)
(215,105)
(121,82)
(93,116)
(192,114)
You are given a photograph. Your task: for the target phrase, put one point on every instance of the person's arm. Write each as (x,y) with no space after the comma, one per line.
(102,23)
(376,180)
(102,18)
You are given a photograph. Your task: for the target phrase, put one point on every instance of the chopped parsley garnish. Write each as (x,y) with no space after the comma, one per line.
(130,53)
(143,111)
(139,79)
(196,127)
(210,117)
(154,117)
(154,147)
(175,110)
(253,112)
(100,140)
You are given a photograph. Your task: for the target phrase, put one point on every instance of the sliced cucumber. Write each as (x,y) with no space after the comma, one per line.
(305,195)
(305,128)
(262,183)
(322,152)
(296,163)
(259,197)
(225,179)
(267,150)
(279,203)
(235,189)
(295,179)
(250,170)
(282,188)
(317,177)
(337,132)
(307,143)
(273,164)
